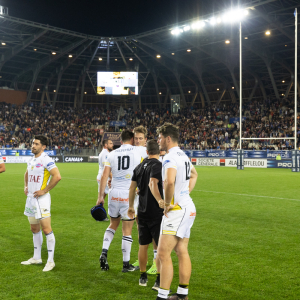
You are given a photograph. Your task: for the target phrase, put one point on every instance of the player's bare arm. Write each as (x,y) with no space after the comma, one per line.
(153,185)
(2,168)
(103,182)
(55,178)
(169,187)
(132,188)
(193,179)
(26,183)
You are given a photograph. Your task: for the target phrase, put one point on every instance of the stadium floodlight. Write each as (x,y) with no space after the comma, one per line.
(235,15)
(37,89)
(218,89)
(160,93)
(198,25)
(34,49)
(227,42)
(246,38)
(186,28)
(53,53)
(173,53)
(70,55)
(176,31)
(85,93)
(130,59)
(3,44)
(100,58)
(283,81)
(268,32)
(213,21)
(158,56)
(188,50)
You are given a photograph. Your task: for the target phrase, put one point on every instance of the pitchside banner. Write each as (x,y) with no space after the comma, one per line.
(77,159)
(24,152)
(233,153)
(114,136)
(248,163)
(24,159)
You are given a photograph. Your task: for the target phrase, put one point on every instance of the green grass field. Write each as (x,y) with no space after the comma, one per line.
(245,242)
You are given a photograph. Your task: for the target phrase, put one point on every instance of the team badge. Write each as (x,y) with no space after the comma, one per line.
(32,167)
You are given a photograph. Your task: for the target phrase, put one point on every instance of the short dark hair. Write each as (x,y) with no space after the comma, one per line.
(42,139)
(105,142)
(152,147)
(168,129)
(126,135)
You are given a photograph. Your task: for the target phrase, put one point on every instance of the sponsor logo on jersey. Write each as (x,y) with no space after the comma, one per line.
(39,165)
(193,214)
(50,164)
(165,162)
(32,167)
(127,176)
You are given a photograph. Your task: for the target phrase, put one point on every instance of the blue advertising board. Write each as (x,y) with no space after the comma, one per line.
(233,153)
(282,164)
(234,120)
(118,123)
(24,152)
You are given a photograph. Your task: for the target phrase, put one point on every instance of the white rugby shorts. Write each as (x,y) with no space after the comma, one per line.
(38,208)
(118,203)
(179,222)
(106,188)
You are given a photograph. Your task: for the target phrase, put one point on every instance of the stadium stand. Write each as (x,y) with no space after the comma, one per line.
(69,130)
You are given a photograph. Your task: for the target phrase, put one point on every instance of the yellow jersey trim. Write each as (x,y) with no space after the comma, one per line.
(169,232)
(45,180)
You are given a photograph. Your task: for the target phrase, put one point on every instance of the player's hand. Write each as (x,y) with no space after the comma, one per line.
(131,213)
(137,191)
(39,193)
(109,183)
(161,203)
(26,190)
(100,200)
(168,208)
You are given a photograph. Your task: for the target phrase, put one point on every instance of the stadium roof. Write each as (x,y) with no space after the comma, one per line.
(60,66)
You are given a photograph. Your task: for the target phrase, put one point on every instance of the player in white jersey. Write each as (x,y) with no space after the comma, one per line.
(108,146)
(121,163)
(2,165)
(179,178)
(162,153)
(41,176)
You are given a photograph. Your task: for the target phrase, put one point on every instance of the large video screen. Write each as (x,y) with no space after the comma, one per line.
(117,83)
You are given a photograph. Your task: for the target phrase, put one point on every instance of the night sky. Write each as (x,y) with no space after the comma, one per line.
(110,17)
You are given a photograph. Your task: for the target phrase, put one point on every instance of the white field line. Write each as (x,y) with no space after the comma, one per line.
(246,195)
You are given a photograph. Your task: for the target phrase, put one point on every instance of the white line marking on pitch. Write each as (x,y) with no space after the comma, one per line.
(247,195)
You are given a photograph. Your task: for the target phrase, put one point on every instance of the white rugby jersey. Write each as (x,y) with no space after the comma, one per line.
(1,159)
(178,160)
(38,173)
(122,162)
(102,158)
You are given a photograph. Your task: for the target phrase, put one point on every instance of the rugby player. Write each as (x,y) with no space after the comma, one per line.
(179,177)
(121,163)
(108,146)
(147,177)
(37,208)
(2,165)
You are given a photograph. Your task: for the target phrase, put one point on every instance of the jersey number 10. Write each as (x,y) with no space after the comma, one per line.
(123,162)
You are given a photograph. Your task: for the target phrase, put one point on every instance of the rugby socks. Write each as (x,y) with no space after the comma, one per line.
(37,244)
(126,247)
(182,290)
(154,254)
(162,293)
(50,246)
(107,239)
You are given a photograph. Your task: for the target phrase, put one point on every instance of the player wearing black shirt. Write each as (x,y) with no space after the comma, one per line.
(147,177)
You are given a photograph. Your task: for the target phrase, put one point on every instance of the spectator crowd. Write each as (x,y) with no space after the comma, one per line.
(214,127)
